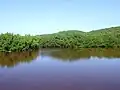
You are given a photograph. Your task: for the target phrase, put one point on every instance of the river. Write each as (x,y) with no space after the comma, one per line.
(61,69)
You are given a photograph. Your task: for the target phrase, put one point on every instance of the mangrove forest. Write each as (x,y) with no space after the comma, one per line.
(74,39)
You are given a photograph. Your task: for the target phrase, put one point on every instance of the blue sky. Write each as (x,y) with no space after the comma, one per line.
(49,16)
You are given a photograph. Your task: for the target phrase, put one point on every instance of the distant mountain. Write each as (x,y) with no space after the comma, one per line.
(100,31)
(106,30)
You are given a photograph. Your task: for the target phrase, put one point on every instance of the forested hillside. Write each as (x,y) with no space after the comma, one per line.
(104,38)
(108,37)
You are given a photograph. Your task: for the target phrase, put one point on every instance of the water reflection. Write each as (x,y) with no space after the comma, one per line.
(12,59)
(47,72)
(72,55)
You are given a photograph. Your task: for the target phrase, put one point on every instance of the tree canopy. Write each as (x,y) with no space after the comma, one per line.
(103,38)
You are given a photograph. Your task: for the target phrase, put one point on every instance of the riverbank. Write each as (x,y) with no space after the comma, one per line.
(104,38)
(14,42)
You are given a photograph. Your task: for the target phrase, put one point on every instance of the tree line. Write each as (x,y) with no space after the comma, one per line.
(104,38)
(11,42)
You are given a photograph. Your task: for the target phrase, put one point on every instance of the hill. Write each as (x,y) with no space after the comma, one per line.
(106,30)
(108,37)
(103,38)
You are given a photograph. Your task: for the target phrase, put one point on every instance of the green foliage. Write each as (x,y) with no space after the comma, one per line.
(104,38)
(10,42)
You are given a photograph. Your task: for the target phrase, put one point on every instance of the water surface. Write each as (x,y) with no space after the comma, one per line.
(61,69)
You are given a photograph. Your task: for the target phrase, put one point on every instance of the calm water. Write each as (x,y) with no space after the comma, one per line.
(85,69)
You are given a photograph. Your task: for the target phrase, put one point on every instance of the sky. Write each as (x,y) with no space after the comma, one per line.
(51,16)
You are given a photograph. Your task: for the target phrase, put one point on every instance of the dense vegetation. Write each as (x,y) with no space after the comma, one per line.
(11,42)
(105,38)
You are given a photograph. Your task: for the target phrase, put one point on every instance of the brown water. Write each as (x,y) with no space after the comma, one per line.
(85,69)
